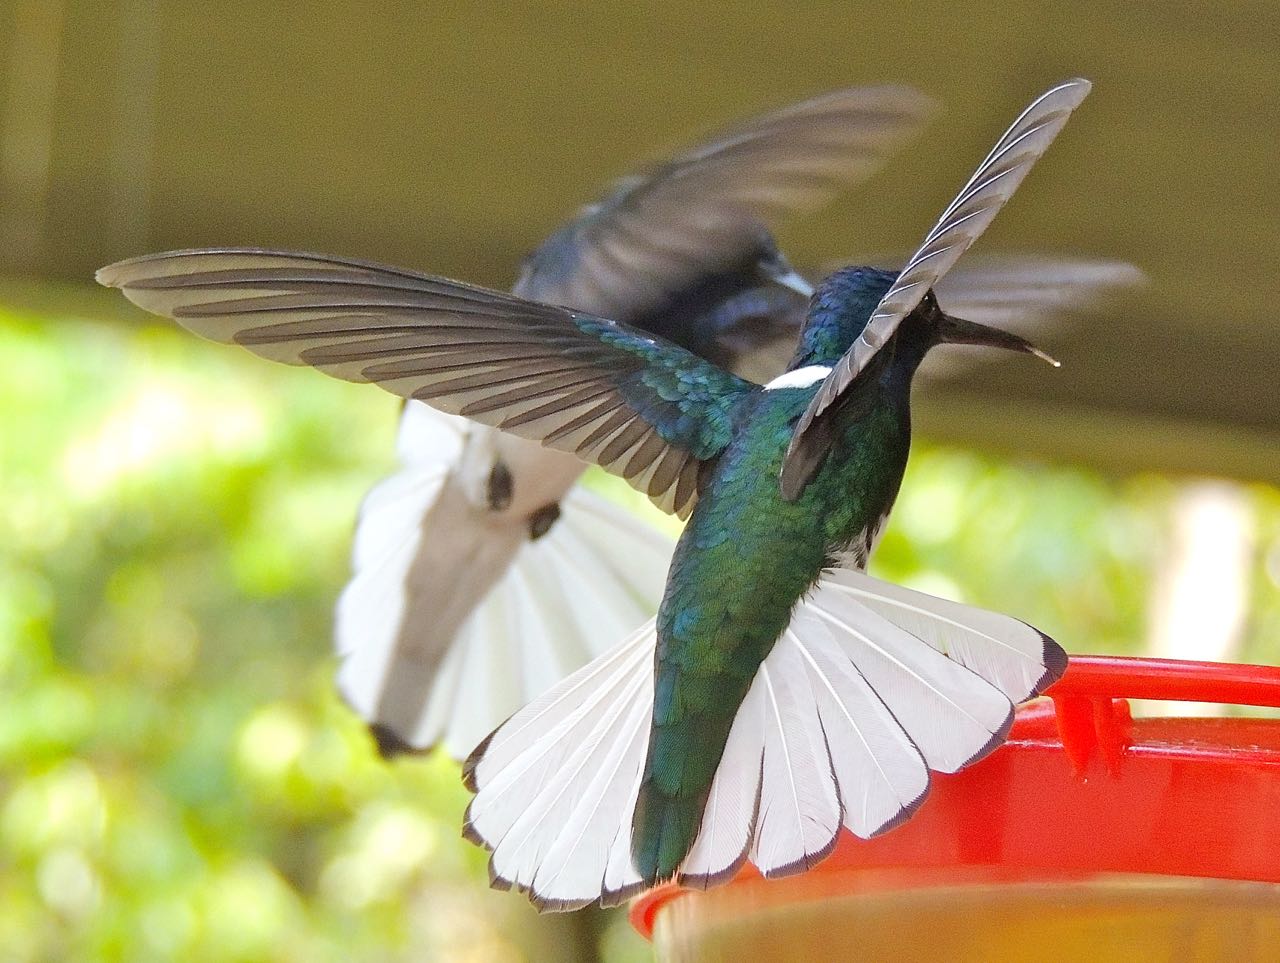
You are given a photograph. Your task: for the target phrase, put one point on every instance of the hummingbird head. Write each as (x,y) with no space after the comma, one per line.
(772,266)
(842,306)
(839,309)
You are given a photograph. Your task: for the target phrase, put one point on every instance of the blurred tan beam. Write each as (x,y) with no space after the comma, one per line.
(1201,596)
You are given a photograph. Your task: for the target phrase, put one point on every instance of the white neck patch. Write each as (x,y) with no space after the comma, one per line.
(800,378)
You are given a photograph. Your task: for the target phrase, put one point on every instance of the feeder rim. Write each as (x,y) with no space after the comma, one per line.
(1140,677)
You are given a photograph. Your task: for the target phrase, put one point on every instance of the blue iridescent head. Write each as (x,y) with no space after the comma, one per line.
(844,301)
(840,308)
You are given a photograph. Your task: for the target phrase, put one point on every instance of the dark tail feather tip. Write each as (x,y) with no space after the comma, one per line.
(470,834)
(390,744)
(1055,663)
(473,760)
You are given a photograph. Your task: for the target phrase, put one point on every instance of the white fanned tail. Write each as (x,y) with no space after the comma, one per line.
(870,687)
(454,619)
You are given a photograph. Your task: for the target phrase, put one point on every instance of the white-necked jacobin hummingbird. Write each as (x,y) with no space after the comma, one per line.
(781,693)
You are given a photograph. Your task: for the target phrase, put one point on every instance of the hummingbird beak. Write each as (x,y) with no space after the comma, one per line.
(796,281)
(953,330)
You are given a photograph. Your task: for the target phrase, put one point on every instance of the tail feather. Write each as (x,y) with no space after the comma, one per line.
(733,806)
(489,680)
(429,652)
(951,714)
(441,703)
(383,552)
(593,818)
(868,688)
(558,775)
(799,804)
(544,658)
(576,777)
(1015,661)
(880,773)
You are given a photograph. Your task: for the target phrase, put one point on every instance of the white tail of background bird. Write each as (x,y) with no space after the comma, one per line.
(440,642)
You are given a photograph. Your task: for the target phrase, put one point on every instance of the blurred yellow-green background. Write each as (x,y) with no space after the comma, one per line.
(178,779)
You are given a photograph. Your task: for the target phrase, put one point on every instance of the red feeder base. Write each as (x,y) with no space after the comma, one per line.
(1089,834)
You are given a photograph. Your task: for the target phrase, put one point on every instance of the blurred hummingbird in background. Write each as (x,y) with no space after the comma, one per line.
(781,693)
(483,576)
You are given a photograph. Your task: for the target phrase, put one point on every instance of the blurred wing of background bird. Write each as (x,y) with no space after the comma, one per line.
(704,211)
(1033,296)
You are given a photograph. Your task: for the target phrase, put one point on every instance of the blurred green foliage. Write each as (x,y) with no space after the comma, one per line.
(178,779)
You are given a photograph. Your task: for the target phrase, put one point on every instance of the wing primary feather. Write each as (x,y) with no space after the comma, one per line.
(593,414)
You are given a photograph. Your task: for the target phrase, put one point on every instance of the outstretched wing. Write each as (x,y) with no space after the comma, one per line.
(964,220)
(632,403)
(703,211)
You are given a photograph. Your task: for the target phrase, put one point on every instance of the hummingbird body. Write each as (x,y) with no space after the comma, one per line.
(747,555)
(744,318)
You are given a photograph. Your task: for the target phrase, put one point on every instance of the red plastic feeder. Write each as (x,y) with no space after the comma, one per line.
(1090,835)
